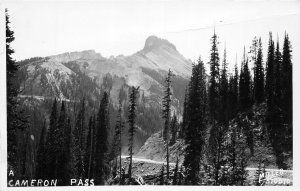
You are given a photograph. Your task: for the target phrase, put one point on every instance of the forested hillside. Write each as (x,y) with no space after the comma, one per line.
(71,117)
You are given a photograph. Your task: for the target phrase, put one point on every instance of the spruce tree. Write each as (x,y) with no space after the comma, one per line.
(230,97)
(117,140)
(196,128)
(287,91)
(93,148)
(121,127)
(232,156)
(274,115)
(235,158)
(78,143)
(270,91)
(254,49)
(101,160)
(80,123)
(278,77)
(216,151)
(131,122)
(61,157)
(76,154)
(269,88)
(41,154)
(236,89)
(88,149)
(214,94)
(252,93)
(11,69)
(214,79)
(277,107)
(50,143)
(17,122)
(224,108)
(216,145)
(67,154)
(173,126)
(166,103)
(244,85)
(11,65)
(184,116)
(259,76)
(233,93)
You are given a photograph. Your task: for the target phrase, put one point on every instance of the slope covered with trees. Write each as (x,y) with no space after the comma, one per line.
(63,124)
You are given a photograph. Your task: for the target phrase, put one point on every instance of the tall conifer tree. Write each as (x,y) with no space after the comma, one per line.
(224,93)
(244,85)
(11,69)
(101,160)
(214,93)
(50,143)
(270,72)
(236,88)
(92,161)
(214,79)
(61,157)
(278,76)
(41,154)
(16,120)
(173,127)
(196,127)
(287,91)
(274,116)
(117,140)
(184,116)
(166,103)
(131,122)
(88,149)
(233,93)
(259,75)
(67,168)
(78,143)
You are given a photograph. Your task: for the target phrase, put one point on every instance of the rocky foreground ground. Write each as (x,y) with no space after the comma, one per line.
(149,170)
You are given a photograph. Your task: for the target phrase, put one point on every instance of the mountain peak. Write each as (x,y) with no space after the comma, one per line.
(154,42)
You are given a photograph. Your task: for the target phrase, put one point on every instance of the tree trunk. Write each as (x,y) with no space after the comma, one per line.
(167,155)
(120,150)
(90,157)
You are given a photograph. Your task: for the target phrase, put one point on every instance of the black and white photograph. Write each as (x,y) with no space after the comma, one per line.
(149,92)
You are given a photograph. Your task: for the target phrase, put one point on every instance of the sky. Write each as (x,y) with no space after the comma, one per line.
(122,26)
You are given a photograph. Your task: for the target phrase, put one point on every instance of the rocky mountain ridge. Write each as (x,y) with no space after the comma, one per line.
(55,75)
(72,76)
